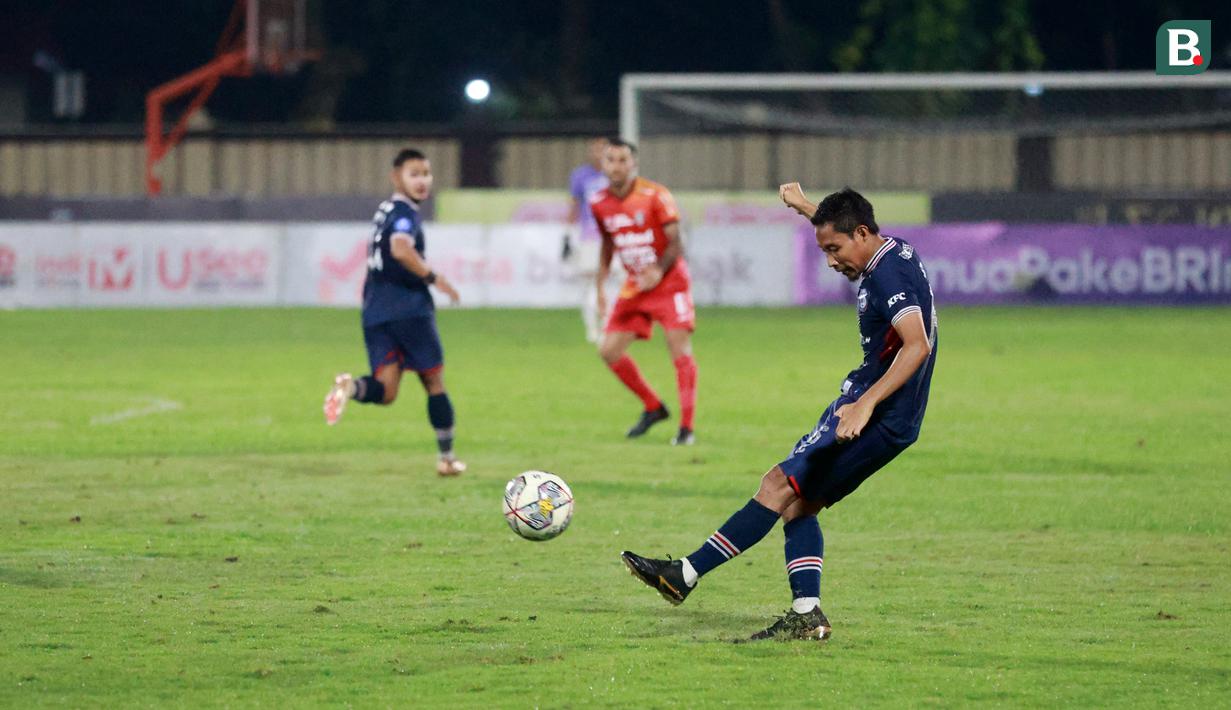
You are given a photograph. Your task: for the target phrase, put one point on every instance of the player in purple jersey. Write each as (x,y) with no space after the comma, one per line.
(582,240)
(399,316)
(876,416)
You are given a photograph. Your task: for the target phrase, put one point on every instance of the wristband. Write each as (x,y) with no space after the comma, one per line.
(430,278)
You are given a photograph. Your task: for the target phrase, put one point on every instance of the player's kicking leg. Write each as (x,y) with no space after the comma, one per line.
(385,357)
(676,579)
(440,414)
(613,351)
(381,387)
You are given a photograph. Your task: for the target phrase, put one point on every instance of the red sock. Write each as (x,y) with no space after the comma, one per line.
(686,380)
(627,371)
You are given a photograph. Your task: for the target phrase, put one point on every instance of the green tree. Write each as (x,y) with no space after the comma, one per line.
(940,36)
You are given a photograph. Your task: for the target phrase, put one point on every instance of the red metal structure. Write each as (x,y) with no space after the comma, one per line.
(261,35)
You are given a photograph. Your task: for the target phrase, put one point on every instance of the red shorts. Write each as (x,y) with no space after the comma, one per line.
(669,303)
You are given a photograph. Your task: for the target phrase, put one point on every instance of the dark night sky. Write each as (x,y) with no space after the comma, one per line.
(406,61)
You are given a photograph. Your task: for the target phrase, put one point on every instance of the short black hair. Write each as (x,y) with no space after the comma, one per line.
(407,154)
(846,210)
(617,142)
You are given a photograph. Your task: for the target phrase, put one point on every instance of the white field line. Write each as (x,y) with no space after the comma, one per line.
(156,406)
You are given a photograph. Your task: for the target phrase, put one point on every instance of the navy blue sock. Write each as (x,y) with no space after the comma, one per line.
(740,532)
(440,414)
(369,389)
(805,546)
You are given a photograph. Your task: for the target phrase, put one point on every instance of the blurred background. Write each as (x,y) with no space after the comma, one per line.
(264,129)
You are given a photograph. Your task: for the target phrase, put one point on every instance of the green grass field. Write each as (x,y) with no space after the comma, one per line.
(180,527)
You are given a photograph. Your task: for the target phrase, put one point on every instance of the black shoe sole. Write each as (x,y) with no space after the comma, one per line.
(652,585)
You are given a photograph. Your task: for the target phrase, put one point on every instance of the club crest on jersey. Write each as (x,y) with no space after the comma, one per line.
(863,300)
(907,251)
(640,218)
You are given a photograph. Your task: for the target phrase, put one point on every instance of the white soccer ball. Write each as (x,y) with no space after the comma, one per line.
(538,505)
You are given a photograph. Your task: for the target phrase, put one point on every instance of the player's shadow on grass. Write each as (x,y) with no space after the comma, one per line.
(31,578)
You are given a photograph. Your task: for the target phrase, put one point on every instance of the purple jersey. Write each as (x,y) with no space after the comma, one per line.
(582,184)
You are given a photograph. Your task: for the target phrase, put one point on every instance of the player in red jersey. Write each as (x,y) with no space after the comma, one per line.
(639,222)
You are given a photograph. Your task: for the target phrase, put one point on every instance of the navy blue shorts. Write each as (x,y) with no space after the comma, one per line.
(821,469)
(412,343)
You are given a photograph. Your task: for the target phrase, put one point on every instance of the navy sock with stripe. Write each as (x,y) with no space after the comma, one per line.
(740,532)
(369,390)
(805,546)
(440,414)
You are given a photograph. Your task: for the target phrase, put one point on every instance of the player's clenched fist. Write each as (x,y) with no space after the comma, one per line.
(793,195)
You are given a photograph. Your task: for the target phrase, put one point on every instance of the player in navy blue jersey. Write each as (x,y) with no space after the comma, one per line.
(876,416)
(399,316)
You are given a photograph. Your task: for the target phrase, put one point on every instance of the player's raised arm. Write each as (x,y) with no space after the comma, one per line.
(402,247)
(916,347)
(793,195)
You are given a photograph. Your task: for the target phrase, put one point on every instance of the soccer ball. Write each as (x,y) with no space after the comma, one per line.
(538,505)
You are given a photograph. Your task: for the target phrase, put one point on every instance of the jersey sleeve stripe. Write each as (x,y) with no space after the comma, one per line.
(904,311)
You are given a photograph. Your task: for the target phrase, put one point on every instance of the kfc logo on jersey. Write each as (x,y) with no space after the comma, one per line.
(112,270)
(8,267)
(894,299)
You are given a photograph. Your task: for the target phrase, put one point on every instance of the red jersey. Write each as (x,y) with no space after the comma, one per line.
(635,225)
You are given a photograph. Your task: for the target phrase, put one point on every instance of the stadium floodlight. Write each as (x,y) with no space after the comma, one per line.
(477,91)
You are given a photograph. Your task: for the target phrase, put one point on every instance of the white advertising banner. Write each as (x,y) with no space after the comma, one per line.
(40,264)
(207,264)
(741,266)
(325,263)
(119,264)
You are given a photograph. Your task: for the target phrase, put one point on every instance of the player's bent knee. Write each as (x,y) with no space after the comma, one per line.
(800,509)
(775,492)
(433,383)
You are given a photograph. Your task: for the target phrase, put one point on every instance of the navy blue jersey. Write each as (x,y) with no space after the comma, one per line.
(894,285)
(391,291)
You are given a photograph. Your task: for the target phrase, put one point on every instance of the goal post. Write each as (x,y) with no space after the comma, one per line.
(1020,117)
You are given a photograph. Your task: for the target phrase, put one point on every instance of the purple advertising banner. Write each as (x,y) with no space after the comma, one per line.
(992,262)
